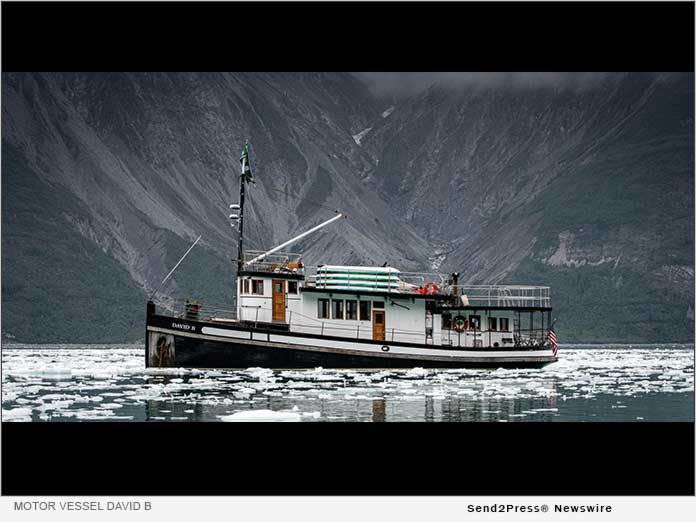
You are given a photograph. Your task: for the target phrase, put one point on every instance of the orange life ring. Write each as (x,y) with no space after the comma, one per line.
(430,288)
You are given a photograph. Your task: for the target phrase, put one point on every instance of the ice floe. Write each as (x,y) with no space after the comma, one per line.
(262,416)
(79,383)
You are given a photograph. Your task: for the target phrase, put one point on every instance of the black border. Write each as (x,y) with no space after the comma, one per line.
(371,459)
(164,458)
(348,36)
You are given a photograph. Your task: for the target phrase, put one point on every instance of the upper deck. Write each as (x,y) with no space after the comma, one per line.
(392,282)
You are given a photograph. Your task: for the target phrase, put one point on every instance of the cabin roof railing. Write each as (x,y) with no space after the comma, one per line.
(523,296)
(278,262)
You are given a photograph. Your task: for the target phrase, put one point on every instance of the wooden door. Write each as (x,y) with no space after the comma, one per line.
(279,300)
(378,325)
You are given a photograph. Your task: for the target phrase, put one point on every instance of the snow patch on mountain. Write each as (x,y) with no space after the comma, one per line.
(568,254)
(360,135)
(436,261)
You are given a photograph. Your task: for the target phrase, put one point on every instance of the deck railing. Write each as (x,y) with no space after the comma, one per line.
(300,323)
(196,311)
(278,262)
(536,338)
(523,296)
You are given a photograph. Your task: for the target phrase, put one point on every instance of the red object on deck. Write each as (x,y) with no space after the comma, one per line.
(430,288)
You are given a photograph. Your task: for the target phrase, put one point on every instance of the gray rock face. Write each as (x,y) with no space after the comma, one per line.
(554,186)
(589,190)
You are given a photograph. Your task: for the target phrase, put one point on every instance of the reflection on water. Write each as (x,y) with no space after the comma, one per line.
(341,404)
(378,408)
(605,383)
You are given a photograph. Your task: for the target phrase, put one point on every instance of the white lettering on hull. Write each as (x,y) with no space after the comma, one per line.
(184,326)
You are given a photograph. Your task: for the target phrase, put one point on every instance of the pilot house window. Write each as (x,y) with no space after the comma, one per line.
(504,324)
(351,309)
(337,310)
(365,310)
(245,286)
(323,309)
(257,286)
(292,287)
(493,323)
(446,321)
(474,322)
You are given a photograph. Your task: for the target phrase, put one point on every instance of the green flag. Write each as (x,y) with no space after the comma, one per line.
(246,168)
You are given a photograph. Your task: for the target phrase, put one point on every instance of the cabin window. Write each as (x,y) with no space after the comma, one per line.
(337,309)
(474,322)
(504,324)
(365,310)
(446,321)
(378,304)
(257,286)
(323,308)
(292,287)
(493,323)
(351,309)
(245,286)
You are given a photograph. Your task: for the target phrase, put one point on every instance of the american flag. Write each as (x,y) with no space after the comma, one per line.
(552,338)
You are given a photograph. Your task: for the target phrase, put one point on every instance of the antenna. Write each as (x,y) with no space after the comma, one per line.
(172,270)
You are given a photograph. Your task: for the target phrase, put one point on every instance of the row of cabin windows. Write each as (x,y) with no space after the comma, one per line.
(252,286)
(255,286)
(346,309)
(473,322)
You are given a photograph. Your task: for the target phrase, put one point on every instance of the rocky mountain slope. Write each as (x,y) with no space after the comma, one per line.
(107,178)
(589,190)
(140,164)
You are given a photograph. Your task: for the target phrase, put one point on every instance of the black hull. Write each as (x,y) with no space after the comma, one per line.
(195,353)
(168,346)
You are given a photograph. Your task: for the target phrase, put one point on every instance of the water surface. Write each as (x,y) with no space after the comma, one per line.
(110,382)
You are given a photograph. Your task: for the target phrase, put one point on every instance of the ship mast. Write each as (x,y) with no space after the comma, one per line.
(240,253)
(244,177)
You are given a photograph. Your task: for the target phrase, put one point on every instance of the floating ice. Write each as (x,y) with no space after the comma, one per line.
(261,416)
(58,383)
(16,414)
